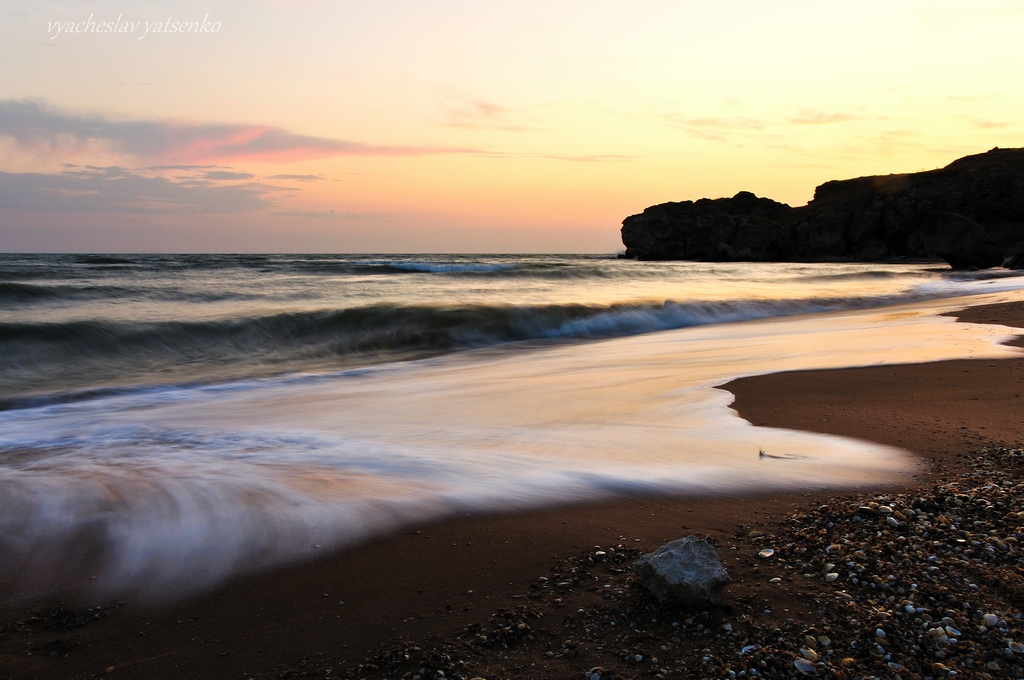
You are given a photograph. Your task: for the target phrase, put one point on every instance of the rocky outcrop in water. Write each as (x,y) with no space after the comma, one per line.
(969,213)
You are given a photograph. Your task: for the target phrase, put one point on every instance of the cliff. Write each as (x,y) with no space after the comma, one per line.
(969,213)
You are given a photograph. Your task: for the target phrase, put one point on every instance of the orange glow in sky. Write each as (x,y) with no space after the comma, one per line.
(467,126)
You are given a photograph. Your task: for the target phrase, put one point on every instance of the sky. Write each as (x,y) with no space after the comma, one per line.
(503,127)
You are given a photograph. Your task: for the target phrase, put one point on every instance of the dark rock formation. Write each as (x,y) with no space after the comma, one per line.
(685,572)
(969,213)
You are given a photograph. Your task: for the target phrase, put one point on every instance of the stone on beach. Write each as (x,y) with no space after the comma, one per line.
(684,572)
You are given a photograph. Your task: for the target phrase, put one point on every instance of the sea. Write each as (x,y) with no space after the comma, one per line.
(170,421)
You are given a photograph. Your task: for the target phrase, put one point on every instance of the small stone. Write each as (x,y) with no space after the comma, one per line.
(990,620)
(806,667)
(775,580)
(831,576)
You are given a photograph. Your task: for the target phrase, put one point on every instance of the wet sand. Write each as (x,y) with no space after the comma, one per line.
(436,579)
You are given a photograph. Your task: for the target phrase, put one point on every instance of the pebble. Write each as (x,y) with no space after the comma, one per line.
(806,667)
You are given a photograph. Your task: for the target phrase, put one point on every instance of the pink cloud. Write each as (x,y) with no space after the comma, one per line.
(36,127)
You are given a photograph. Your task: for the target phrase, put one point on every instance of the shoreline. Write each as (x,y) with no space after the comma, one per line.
(430,581)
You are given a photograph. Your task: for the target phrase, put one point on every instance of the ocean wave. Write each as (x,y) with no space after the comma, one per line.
(19,294)
(67,267)
(402,327)
(426,267)
(866,275)
(104,260)
(85,355)
(23,292)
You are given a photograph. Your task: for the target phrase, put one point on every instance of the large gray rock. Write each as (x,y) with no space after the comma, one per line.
(686,572)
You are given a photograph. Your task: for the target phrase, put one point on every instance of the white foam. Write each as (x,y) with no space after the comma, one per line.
(183,488)
(425,267)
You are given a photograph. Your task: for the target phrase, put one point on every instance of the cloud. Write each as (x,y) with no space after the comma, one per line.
(808,117)
(298,178)
(713,128)
(982,123)
(165,167)
(478,115)
(203,150)
(38,128)
(968,98)
(225,174)
(598,158)
(119,190)
(331,215)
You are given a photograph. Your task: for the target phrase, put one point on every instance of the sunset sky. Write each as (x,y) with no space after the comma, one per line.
(470,126)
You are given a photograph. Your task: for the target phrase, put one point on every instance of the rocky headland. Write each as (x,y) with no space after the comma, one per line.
(969,213)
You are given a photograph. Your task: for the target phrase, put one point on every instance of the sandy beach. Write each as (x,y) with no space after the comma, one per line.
(429,582)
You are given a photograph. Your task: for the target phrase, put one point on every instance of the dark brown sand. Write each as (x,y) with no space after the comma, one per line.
(436,579)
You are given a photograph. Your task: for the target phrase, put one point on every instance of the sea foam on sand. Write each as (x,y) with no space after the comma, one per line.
(175,490)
